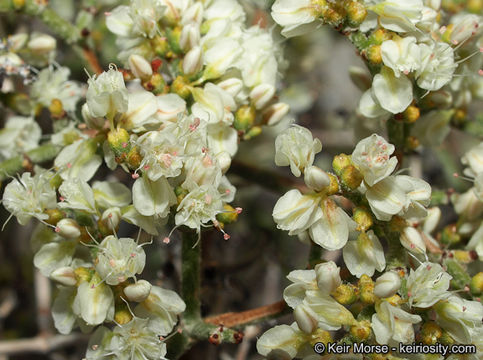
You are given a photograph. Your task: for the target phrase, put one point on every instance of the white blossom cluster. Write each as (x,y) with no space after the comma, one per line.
(198,82)
(398,297)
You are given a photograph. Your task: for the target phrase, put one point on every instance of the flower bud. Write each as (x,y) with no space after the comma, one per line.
(374,54)
(351,177)
(387,284)
(190,37)
(140,67)
(64,275)
(450,236)
(328,276)
(333,188)
(320,336)
(431,333)
(138,291)
(193,61)
(432,219)
(315,178)
(411,239)
(411,114)
(340,162)
(228,216)
(275,113)
(41,44)
(363,218)
(118,139)
(465,28)
(261,95)
(122,316)
(112,217)
(68,229)
(361,331)
(476,284)
(345,294)
(193,14)
(232,86)
(253,132)
(82,274)
(181,87)
(366,289)
(305,320)
(356,13)
(244,118)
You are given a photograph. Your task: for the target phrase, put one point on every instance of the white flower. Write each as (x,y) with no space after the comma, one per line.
(418,196)
(78,160)
(94,302)
(474,160)
(398,15)
(296,147)
(392,324)
(305,319)
(54,255)
(386,198)
(19,135)
(107,94)
(315,178)
(328,276)
(303,280)
(365,255)
(372,156)
(295,212)
(198,207)
(295,16)
(153,197)
(220,56)
(392,93)
(427,285)
(119,259)
(193,61)
(476,242)
(140,67)
(29,196)
(432,128)
(162,154)
(459,317)
(412,240)
(139,291)
(329,313)
(387,284)
(437,66)
(332,229)
(77,194)
(54,84)
(162,307)
(280,342)
(402,55)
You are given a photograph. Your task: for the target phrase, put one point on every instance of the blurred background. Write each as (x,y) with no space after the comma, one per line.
(249,270)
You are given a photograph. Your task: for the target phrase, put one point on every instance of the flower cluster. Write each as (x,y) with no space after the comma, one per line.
(387,210)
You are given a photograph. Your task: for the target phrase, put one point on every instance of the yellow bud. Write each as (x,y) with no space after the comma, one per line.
(411,114)
(157,85)
(55,215)
(134,158)
(447,34)
(118,139)
(333,16)
(229,216)
(345,294)
(459,117)
(82,274)
(430,333)
(379,36)
(340,162)
(122,316)
(395,300)
(475,6)
(18,4)
(160,45)
(356,13)
(361,331)
(412,142)
(180,86)
(366,290)
(333,188)
(450,236)
(476,284)
(463,256)
(253,132)
(363,218)
(351,177)
(56,109)
(320,336)
(374,54)
(244,118)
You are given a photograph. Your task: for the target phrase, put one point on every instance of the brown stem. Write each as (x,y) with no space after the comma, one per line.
(92,60)
(232,319)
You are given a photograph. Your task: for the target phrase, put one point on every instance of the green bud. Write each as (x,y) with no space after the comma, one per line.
(244,118)
(340,162)
(118,140)
(476,284)
(253,132)
(351,177)
(345,294)
(363,218)
(449,235)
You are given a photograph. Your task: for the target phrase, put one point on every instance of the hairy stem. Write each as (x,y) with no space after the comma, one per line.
(20,163)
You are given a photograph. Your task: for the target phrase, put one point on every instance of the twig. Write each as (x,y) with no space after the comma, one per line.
(245,317)
(39,344)
(92,59)
(19,163)
(190,274)
(43,299)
